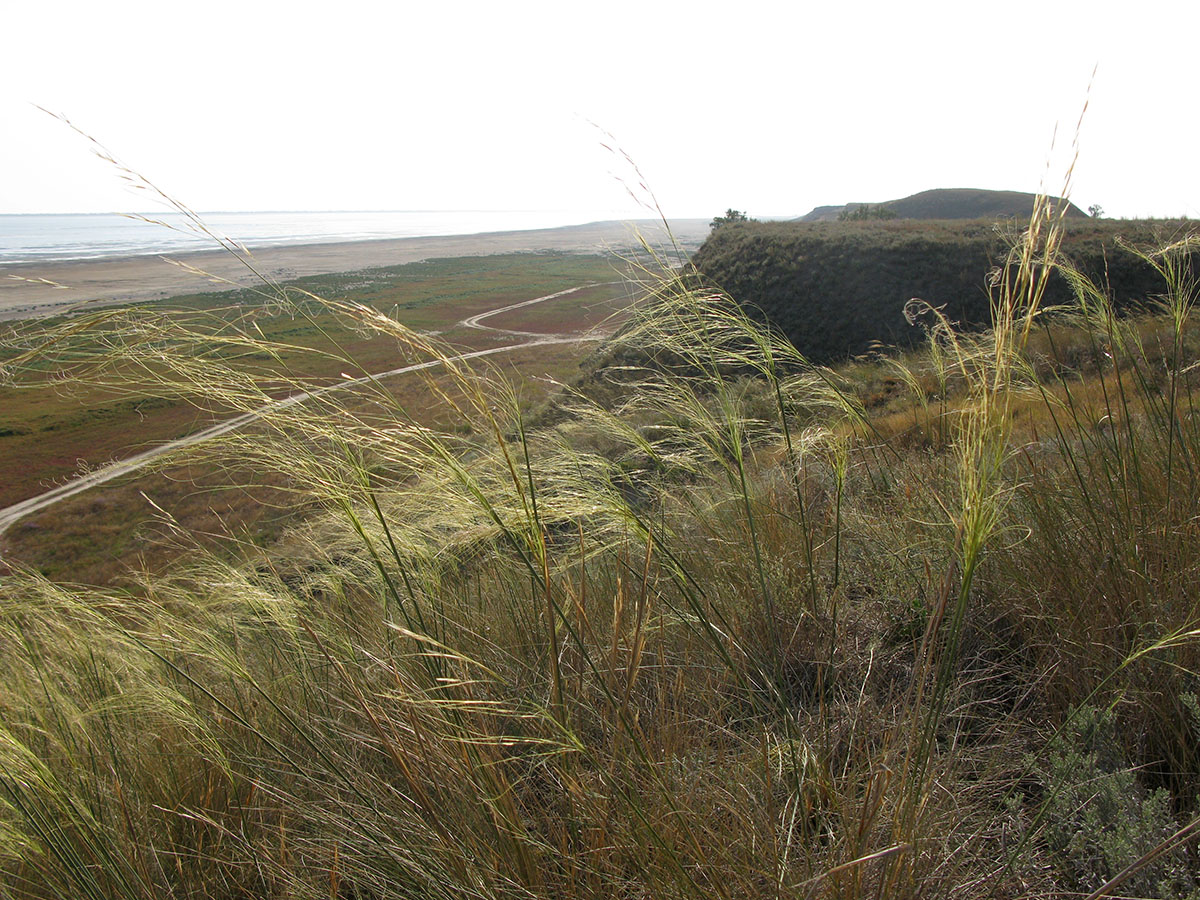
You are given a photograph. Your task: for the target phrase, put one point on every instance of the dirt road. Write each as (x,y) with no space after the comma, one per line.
(11,514)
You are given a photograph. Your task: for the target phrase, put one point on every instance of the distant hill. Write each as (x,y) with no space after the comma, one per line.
(950,203)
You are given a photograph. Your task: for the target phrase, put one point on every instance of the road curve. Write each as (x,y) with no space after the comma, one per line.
(9,515)
(476,321)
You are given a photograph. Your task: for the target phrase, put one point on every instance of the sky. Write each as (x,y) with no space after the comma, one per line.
(767,107)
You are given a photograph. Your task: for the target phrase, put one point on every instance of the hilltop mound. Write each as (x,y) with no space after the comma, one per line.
(837,289)
(950,203)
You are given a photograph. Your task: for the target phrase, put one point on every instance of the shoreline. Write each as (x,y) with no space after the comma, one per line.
(30,290)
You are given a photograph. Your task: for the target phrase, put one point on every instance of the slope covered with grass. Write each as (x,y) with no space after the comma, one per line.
(837,289)
(724,624)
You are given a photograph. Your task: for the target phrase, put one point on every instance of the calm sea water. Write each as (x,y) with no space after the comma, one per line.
(37,238)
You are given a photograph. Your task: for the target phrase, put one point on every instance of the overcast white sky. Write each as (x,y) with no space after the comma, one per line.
(770,107)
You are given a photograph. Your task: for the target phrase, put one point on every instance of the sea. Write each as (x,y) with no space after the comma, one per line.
(31,238)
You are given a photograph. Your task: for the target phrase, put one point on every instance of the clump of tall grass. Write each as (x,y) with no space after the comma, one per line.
(1108,490)
(721,634)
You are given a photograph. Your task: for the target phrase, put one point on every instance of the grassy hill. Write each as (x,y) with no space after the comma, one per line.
(950,203)
(917,627)
(837,289)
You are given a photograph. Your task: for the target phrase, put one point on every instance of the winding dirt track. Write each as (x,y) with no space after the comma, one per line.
(11,514)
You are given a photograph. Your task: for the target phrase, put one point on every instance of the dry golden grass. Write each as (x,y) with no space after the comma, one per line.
(111,531)
(722,625)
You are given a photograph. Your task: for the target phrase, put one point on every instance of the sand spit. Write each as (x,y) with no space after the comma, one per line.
(30,290)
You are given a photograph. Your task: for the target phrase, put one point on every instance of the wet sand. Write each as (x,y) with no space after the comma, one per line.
(29,290)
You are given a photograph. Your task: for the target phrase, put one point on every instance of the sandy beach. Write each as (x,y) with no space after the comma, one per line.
(29,290)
